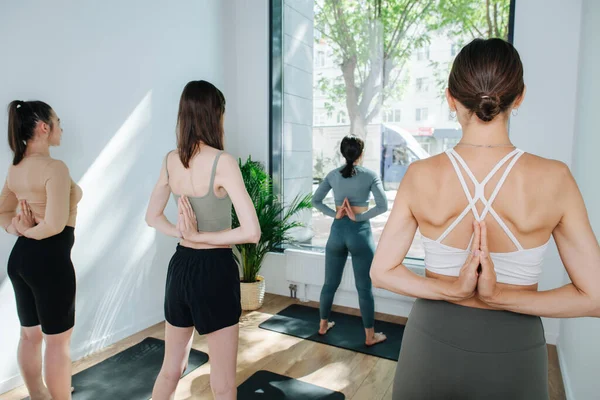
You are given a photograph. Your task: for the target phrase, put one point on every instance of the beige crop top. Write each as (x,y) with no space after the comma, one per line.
(47,187)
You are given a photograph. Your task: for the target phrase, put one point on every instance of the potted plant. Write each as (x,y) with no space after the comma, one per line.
(275,220)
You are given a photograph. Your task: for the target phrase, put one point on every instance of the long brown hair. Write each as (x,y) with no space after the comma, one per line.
(200,119)
(23,117)
(487,77)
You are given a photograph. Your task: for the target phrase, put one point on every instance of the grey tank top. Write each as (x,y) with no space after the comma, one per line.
(212,213)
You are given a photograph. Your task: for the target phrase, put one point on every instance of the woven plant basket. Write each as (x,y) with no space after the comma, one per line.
(253,294)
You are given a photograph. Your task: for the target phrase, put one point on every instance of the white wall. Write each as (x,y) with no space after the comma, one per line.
(113,71)
(547,38)
(247,86)
(579,346)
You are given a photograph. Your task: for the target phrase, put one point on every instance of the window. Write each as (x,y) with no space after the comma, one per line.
(423,53)
(393,139)
(392,116)
(422,85)
(320,59)
(451,115)
(422,114)
(320,119)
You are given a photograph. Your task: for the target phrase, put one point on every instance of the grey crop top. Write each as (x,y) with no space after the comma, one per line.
(212,213)
(356,189)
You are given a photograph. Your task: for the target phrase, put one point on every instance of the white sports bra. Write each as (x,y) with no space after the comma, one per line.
(520,267)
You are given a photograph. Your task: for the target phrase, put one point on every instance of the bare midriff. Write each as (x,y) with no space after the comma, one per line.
(355,210)
(475,301)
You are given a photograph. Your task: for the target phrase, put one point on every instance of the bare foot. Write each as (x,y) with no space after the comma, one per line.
(376,338)
(41,397)
(44,394)
(325,327)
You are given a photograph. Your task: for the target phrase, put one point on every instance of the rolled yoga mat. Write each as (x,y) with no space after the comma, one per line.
(348,332)
(128,375)
(265,385)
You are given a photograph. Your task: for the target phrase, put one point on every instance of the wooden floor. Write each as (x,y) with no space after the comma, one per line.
(358,376)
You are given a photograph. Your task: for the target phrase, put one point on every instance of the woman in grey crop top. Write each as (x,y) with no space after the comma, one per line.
(351,233)
(203,284)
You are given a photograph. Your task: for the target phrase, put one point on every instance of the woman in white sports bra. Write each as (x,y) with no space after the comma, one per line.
(486,211)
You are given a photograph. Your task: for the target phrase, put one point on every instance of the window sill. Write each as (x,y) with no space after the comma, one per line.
(411,262)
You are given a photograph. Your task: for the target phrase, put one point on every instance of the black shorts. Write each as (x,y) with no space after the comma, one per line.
(43,278)
(203,289)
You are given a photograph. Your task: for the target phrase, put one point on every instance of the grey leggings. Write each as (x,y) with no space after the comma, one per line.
(454,352)
(356,238)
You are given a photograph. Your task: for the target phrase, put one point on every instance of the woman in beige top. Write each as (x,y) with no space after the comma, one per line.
(40,266)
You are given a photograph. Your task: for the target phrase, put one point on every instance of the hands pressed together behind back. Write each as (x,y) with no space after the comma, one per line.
(345,210)
(477,277)
(25,219)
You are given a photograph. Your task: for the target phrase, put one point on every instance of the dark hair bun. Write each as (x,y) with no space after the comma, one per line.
(488,108)
(487,77)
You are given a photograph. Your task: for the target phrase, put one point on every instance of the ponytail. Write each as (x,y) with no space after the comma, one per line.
(348,169)
(352,148)
(23,117)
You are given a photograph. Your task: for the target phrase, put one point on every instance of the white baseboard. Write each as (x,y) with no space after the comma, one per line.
(274,271)
(551,337)
(564,370)
(11,383)
(88,348)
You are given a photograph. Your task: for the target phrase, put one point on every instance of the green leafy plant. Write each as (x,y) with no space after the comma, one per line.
(274,217)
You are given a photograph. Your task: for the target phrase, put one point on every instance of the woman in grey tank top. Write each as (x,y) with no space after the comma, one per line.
(203,284)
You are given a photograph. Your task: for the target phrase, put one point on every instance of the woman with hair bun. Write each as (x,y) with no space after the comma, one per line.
(351,233)
(486,212)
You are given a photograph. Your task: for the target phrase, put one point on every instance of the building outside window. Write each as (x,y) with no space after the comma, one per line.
(349,96)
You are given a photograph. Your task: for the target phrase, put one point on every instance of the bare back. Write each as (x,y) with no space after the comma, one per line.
(195,181)
(526,202)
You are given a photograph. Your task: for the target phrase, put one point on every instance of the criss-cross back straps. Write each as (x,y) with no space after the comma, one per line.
(479,195)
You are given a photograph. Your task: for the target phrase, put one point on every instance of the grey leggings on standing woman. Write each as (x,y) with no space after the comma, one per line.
(456,352)
(356,238)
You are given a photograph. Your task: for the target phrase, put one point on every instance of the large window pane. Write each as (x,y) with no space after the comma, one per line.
(380,68)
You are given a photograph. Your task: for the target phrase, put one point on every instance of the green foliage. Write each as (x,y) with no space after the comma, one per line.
(465,20)
(372,41)
(275,218)
(474,18)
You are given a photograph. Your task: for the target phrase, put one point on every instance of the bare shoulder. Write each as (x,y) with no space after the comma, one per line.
(228,161)
(55,170)
(420,173)
(544,171)
(55,166)
(541,164)
(227,168)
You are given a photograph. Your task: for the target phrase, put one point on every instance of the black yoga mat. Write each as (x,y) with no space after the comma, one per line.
(128,375)
(265,385)
(348,332)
